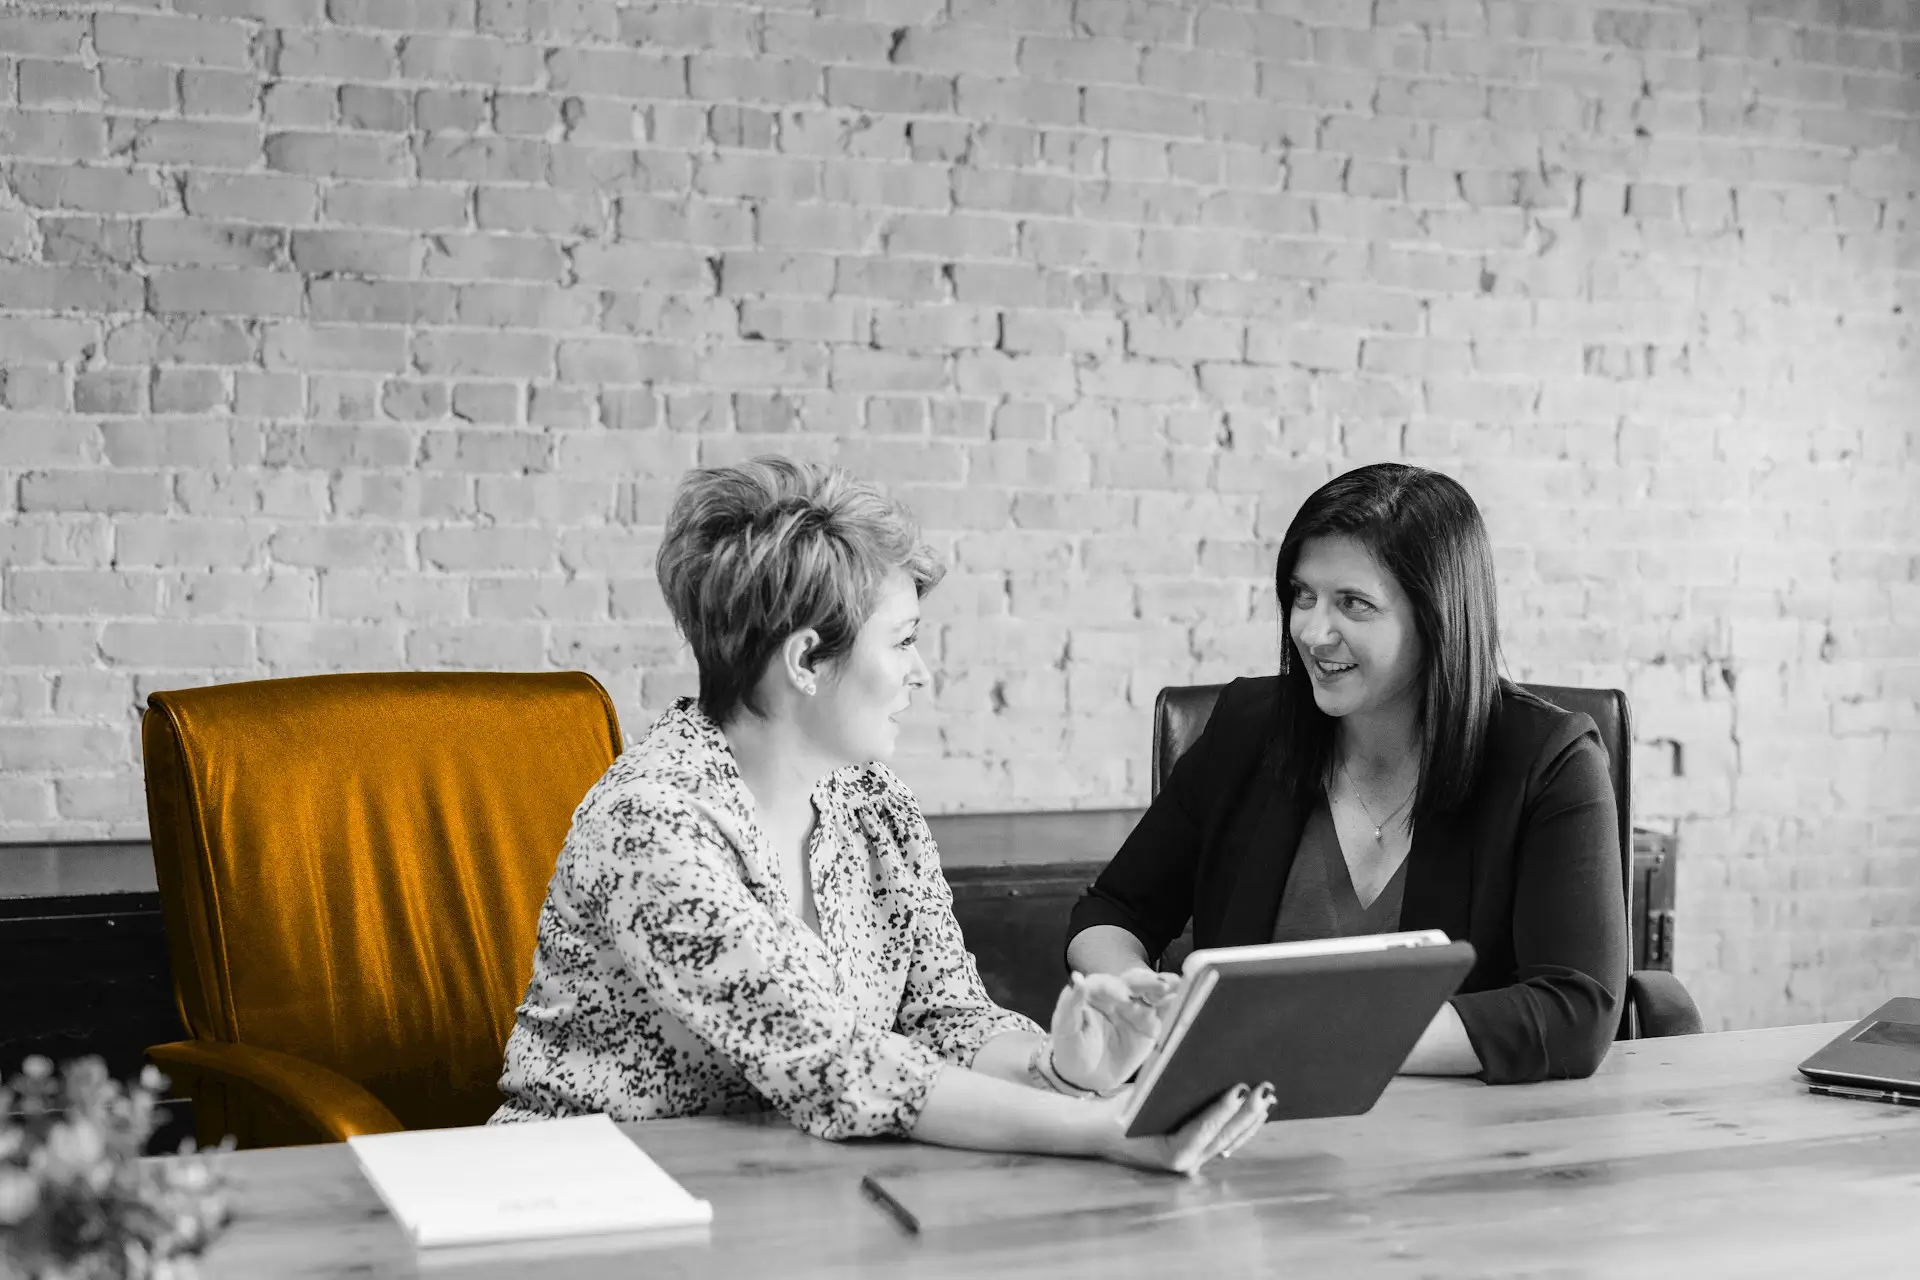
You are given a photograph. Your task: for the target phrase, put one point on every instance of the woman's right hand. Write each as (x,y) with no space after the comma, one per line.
(1227,1124)
(1104,1025)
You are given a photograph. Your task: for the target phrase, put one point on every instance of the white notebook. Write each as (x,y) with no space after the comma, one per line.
(525,1181)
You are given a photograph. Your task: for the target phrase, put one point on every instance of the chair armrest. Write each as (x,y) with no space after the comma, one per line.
(1661,1005)
(333,1106)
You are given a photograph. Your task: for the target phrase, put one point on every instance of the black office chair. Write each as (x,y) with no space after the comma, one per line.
(1656,1004)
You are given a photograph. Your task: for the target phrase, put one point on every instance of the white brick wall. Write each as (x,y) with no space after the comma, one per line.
(348,334)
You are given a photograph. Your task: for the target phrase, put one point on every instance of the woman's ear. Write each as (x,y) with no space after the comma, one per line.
(797,662)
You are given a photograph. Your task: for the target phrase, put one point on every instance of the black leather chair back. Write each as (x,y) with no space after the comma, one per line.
(1182,711)
(1180,714)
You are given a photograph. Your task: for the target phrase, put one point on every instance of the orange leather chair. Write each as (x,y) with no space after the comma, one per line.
(351,870)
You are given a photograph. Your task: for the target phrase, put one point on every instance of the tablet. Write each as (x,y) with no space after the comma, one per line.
(1328,1022)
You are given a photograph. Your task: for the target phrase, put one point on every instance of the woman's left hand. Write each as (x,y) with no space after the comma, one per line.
(1105,1025)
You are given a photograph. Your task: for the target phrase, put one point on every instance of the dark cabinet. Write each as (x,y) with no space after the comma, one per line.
(1015,922)
(88,975)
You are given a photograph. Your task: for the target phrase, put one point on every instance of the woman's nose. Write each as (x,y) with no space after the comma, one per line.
(1311,627)
(918,677)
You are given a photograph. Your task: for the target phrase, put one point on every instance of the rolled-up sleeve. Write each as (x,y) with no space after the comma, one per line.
(945,1006)
(1557,1018)
(688,928)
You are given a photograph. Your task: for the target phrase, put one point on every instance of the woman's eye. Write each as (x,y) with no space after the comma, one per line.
(1302,596)
(909,642)
(1356,605)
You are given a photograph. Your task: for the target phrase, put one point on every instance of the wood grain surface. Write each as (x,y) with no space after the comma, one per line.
(1698,1156)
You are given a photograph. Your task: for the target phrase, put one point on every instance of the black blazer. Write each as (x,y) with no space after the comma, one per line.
(1528,870)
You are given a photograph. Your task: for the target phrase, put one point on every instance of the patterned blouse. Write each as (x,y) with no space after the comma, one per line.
(673,975)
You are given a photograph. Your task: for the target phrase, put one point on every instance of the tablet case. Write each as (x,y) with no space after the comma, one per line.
(1329,1031)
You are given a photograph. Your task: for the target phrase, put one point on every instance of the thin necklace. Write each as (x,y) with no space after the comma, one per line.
(1391,814)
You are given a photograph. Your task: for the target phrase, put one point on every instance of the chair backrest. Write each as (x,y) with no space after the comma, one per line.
(1180,712)
(1180,715)
(351,867)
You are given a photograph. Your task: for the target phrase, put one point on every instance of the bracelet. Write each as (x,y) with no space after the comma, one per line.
(1045,1075)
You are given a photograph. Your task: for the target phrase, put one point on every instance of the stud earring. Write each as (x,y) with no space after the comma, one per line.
(808,688)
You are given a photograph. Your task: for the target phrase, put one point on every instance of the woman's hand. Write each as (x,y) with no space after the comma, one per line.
(1223,1128)
(1105,1025)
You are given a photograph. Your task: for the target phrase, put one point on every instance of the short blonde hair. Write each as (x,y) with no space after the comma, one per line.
(757,551)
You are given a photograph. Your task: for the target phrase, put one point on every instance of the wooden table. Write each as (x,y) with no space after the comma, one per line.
(1698,1156)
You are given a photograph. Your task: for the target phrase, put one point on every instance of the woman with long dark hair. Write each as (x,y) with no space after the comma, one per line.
(1389,778)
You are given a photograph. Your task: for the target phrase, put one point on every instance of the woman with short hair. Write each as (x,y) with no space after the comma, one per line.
(1387,779)
(749,910)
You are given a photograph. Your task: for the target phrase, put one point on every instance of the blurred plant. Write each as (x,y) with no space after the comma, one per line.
(76,1200)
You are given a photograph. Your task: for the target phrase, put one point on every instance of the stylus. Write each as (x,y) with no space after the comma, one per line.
(1867,1095)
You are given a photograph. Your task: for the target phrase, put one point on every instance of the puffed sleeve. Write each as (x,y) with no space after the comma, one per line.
(944,1007)
(1557,1019)
(759,992)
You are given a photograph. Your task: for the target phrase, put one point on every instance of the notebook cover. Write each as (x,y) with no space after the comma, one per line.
(489,1184)
(1881,1050)
(1329,1031)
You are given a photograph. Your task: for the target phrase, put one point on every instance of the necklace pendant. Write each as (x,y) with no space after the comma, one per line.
(1376,833)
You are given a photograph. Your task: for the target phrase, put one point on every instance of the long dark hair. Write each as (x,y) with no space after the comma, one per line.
(1423,528)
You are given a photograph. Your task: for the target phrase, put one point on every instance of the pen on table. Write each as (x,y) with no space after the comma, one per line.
(895,1210)
(1867,1095)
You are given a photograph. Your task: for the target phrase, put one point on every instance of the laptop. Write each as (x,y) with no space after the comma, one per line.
(1881,1052)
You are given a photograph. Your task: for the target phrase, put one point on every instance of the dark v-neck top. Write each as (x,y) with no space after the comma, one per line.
(1320,900)
(1527,869)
